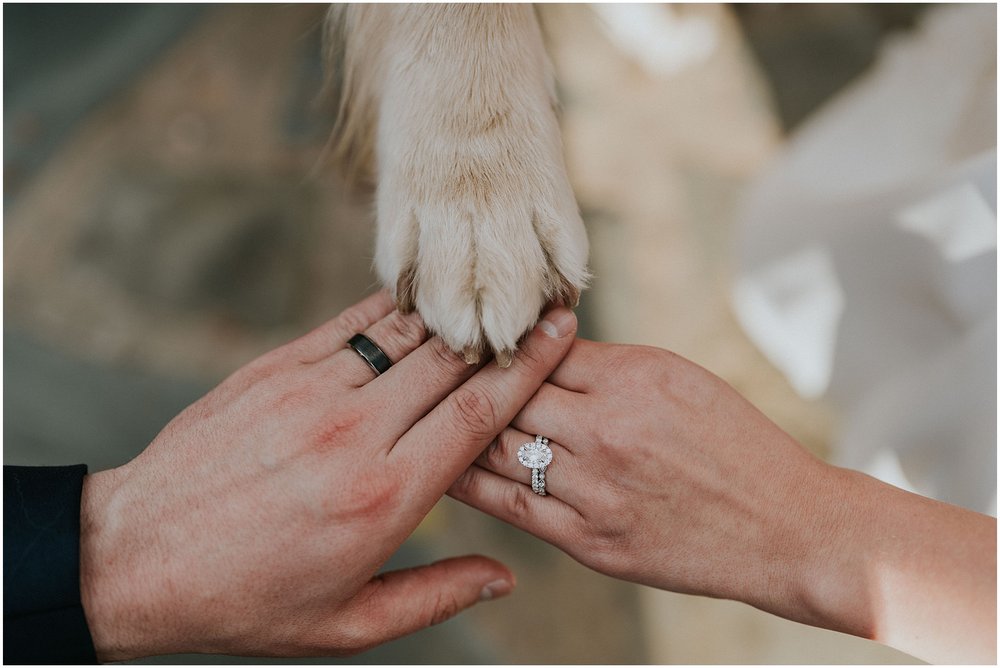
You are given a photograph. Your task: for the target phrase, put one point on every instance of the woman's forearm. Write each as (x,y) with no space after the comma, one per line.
(913,573)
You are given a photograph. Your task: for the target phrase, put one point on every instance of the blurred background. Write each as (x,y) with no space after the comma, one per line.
(168,217)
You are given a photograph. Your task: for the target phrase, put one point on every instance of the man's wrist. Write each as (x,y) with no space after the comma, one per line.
(103,582)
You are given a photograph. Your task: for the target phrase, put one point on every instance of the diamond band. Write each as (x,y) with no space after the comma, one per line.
(538,481)
(536,456)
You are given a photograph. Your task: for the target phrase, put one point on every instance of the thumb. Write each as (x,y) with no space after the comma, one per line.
(401,602)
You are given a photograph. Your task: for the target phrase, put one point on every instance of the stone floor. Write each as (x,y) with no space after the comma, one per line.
(168,217)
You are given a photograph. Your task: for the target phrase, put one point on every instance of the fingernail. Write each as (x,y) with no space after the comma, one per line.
(495,589)
(558,322)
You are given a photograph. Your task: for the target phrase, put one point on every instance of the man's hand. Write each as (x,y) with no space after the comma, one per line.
(256,521)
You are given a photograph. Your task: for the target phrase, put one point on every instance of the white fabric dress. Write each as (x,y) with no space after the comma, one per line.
(867,261)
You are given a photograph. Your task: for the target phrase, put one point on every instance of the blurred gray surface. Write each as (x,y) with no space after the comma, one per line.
(63,410)
(812,50)
(62,60)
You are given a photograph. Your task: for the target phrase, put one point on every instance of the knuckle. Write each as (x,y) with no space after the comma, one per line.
(617,507)
(406,331)
(272,359)
(662,365)
(445,359)
(653,363)
(476,411)
(445,607)
(262,381)
(294,392)
(608,433)
(530,357)
(606,544)
(517,502)
(618,456)
(352,320)
(467,486)
(261,369)
(495,454)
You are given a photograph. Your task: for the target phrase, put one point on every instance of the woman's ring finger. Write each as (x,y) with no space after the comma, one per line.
(529,459)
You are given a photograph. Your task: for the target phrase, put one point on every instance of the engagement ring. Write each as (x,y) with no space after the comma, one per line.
(536,456)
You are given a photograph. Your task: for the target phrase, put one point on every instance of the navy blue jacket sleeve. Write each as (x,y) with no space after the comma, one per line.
(43,620)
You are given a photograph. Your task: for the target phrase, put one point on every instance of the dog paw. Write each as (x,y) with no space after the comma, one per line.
(478,250)
(479,234)
(477,225)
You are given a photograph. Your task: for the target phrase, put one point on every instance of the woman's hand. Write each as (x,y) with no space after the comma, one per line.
(662,474)
(256,521)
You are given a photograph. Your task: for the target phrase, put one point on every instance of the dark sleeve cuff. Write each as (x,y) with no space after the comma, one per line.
(43,619)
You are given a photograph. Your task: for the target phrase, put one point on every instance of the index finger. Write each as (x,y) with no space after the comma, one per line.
(436,450)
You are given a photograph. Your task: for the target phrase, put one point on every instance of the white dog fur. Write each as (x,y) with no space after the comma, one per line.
(451,110)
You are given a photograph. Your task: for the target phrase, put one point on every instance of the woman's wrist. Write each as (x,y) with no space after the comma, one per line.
(930,575)
(904,570)
(805,544)
(831,585)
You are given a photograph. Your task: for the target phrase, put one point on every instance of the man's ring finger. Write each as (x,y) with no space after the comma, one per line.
(370,353)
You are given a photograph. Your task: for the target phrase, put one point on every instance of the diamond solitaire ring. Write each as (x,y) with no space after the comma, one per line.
(536,456)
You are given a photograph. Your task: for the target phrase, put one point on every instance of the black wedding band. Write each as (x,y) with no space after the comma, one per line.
(371,353)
